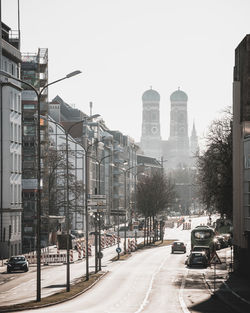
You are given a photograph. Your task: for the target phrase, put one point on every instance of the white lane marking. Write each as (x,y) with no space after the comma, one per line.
(181,300)
(145,300)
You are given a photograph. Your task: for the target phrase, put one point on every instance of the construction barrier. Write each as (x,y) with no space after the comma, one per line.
(186,226)
(47,258)
(133,245)
(129,246)
(169,224)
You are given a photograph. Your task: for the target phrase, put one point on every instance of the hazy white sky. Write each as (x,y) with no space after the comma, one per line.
(125,46)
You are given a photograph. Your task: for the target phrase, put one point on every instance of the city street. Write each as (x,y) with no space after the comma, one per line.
(152,280)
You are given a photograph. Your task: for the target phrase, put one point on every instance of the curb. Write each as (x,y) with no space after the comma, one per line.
(57,302)
(235,294)
(221,298)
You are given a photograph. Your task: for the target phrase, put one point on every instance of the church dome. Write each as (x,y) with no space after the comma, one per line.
(151,95)
(179,95)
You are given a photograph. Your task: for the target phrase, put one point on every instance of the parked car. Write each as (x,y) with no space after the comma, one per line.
(205,249)
(217,244)
(197,259)
(178,246)
(222,241)
(18,262)
(227,239)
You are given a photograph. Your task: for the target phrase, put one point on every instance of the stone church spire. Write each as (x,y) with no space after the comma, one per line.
(151,133)
(194,146)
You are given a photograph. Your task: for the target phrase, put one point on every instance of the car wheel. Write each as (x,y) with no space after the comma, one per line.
(8,271)
(26,269)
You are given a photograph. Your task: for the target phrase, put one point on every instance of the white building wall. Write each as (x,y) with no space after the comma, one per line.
(12,170)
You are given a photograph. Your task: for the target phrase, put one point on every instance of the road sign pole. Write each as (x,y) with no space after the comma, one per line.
(214,275)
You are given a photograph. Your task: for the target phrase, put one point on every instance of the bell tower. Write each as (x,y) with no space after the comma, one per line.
(151,134)
(178,139)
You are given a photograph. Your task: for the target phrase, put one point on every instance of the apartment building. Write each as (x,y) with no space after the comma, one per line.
(241,158)
(10,145)
(34,70)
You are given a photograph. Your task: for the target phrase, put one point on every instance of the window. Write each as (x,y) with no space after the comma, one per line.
(11,193)
(19,134)
(11,101)
(15,102)
(15,132)
(11,131)
(15,222)
(28,106)
(15,165)
(19,104)
(247,161)
(12,162)
(15,194)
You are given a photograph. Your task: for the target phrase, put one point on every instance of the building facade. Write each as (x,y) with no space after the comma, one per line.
(241,158)
(34,71)
(11,146)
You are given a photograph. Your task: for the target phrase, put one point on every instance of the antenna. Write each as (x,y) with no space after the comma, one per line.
(18,13)
(90,108)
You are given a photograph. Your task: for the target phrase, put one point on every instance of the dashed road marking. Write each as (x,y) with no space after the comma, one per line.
(145,300)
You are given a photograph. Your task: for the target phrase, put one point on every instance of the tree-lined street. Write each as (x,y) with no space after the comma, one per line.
(151,280)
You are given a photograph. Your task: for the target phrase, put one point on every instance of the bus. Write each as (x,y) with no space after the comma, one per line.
(202,236)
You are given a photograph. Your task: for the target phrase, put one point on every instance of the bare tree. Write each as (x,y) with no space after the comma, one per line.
(215,167)
(55,184)
(154,195)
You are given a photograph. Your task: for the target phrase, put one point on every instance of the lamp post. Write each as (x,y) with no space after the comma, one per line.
(125,171)
(67,132)
(98,216)
(99,192)
(38,213)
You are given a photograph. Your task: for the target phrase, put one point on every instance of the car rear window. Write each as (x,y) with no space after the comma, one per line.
(16,259)
(197,254)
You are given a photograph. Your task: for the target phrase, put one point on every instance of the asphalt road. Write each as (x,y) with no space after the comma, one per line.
(152,280)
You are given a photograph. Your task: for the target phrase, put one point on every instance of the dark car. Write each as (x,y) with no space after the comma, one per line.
(178,246)
(205,249)
(17,263)
(217,244)
(197,259)
(222,241)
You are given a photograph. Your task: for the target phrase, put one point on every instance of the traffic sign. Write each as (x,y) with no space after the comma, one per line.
(215,259)
(118,250)
(96,196)
(99,255)
(97,202)
(97,209)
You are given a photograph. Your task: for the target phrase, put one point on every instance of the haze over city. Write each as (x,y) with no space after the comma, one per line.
(124,47)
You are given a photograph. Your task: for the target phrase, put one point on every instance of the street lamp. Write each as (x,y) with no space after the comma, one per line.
(125,171)
(99,192)
(67,132)
(38,215)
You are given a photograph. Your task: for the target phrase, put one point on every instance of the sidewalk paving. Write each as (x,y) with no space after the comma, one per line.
(232,289)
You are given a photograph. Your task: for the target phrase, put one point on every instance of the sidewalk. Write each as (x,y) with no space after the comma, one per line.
(235,292)
(232,289)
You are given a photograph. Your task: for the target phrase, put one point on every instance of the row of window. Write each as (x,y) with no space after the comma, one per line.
(15,102)
(15,132)
(15,193)
(15,222)
(10,67)
(16,164)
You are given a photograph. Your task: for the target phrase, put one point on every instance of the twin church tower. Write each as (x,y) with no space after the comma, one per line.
(179,149)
